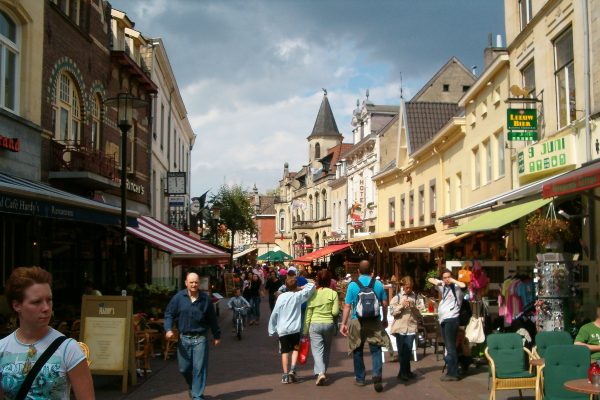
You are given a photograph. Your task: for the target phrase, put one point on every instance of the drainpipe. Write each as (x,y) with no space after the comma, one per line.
(586,75)
(440,179)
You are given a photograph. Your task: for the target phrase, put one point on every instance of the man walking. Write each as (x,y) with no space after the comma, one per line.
(364,296)
(194,313)
(448,312)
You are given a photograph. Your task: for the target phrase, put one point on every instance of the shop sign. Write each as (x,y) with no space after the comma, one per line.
(546,158)
(12,144)
(176,201)
(521,123)
(577,183)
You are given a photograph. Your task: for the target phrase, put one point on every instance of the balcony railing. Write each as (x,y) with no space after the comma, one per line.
(74,156)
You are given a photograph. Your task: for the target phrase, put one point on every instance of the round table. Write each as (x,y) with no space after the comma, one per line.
(582,386)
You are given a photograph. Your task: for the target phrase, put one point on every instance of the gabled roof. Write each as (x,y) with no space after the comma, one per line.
(266,205)
(437,75)
(325,124)
(425,119)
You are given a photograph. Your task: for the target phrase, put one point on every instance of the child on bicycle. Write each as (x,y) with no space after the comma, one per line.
(237,301)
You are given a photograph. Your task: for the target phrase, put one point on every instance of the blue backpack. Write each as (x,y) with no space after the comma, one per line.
(367,305)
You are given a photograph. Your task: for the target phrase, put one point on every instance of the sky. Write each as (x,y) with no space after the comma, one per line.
(251,72)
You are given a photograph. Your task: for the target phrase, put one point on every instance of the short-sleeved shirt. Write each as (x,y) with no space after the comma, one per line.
(353,290)
(52,381)
(590,334)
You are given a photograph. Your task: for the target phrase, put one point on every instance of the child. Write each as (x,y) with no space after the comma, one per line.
(285,321)
(237,301)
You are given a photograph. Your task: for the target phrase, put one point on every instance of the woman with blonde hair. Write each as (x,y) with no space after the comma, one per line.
(405,309)
(29,295)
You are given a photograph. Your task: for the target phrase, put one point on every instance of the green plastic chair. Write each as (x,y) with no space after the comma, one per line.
(543,340)
(509,366)
(563,363)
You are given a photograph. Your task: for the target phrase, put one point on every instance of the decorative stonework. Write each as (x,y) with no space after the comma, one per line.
(67,64)
(96,89)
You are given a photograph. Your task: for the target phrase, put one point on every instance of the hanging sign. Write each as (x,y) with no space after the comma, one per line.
(521,123)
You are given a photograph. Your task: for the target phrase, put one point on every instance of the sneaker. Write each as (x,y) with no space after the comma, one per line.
(411,375)
(402,377)
(292,375)
(358,382)
(285,378)
(320,379)
(377,385)
(449,378)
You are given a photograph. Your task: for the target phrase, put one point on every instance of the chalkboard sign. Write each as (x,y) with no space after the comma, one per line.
(107,329)
(229,279)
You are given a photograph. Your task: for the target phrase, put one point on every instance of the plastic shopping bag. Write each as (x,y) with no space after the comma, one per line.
(303,351)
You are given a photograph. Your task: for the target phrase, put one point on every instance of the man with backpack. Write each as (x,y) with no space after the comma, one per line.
(364,297)
(449,311)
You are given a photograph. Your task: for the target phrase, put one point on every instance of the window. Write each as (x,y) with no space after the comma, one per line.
(448,193)
(392,213)
(95,138)
(483,109)
(525,13)
(9,62)
(458,183)
(64,6)
(402,209)
(131,143)
(67,110)
(76,11)
(324,196)
(528,78)
(476,168)
(317,151)
(432,199)
(565,78)
(466,88)
(334,220)
(411,207)
(317,207)
(310,208)
(162,126)
(421,203)
(500,152)
(281,221)
(446,87)
(488,161)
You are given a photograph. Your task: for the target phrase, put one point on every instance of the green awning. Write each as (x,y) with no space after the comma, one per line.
(497,218)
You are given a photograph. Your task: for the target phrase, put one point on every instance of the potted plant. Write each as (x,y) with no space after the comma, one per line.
(547,231)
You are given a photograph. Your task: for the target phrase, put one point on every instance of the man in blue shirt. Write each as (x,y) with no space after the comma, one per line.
(365,330)
(195,315)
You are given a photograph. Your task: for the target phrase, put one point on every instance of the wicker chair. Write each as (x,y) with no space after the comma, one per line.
(509,369)
(563,363)
(143,350)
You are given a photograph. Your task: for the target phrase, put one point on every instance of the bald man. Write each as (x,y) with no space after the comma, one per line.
(195,314)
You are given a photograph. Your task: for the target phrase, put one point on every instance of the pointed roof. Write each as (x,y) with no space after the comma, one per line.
(325,124)
(452,61)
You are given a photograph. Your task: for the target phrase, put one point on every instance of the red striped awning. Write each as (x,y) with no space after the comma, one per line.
(179,244)
(323,252)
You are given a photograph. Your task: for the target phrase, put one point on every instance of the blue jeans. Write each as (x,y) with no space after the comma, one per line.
(449,332)
(255,308)
(359,364)
(405,345)
(321,336)
(192,357)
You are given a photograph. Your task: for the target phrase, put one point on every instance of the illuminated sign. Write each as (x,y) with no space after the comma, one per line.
(10,144)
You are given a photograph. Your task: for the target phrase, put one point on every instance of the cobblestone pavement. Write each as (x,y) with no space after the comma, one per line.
(251,369)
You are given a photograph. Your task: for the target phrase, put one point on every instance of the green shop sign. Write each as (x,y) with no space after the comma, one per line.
(521,124)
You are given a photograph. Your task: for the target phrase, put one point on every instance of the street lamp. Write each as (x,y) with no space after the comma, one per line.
(125,104)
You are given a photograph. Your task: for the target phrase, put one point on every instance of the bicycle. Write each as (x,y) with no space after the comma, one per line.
(239,321)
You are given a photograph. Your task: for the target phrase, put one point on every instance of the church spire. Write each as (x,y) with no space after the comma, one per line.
(325,124)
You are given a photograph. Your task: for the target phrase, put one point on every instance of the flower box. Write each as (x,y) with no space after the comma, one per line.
(402,223)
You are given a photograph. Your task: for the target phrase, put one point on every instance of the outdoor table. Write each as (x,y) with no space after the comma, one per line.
(582,386)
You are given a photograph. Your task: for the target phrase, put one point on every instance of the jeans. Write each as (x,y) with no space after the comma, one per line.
(321,336)
(359,364)
(405,345)
(255,308)
(449,332)
(192,357)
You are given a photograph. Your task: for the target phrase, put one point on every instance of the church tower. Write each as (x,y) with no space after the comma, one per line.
(325,134)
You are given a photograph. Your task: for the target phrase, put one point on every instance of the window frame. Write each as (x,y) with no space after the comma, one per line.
(8,45)
(67,102)
(569,80)
(525,18)
(392,213)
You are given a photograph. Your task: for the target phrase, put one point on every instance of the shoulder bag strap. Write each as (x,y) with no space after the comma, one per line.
(38,366)
(372,283)
(359,283)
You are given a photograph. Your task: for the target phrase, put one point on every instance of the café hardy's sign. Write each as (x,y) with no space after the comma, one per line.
(546,158)
(12,144)
(521,124)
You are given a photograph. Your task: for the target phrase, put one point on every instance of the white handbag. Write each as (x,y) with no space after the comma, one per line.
(474,330)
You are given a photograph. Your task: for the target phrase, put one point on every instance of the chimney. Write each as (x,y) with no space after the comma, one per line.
(474,70)
(491,52)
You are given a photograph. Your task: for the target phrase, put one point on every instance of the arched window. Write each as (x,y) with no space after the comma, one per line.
(9,62)
(131,147)
(324,197)
(317,207)
(317,151)
(310,208)
(317,240)
(67,107)
(323,238)
(281,221)
(95,138)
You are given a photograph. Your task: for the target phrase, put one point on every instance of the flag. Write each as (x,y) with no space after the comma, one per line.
(202,200)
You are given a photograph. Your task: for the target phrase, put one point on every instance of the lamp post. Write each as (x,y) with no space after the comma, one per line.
(125,104)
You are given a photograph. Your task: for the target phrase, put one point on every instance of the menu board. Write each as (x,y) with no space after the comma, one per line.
(229,284)
(106,327)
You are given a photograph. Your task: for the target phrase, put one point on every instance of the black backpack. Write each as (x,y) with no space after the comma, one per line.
(465,312)
(367,305)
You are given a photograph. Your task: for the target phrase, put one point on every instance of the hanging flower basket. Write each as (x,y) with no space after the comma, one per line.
(544,231)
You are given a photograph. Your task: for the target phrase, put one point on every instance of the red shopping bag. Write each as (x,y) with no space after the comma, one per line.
(303,351)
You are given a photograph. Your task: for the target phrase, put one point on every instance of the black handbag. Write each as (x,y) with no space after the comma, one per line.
(24,389)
